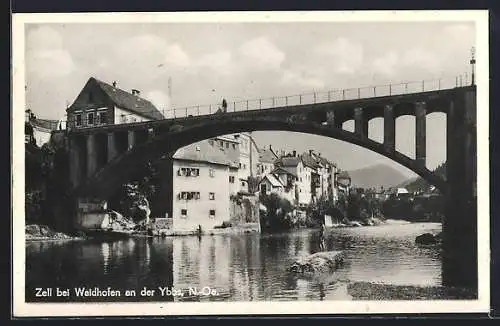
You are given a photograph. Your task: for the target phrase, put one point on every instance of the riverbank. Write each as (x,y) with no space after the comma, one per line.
(376,291)
(35,232)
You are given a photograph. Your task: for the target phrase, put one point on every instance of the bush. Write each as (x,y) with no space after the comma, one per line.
(278,215)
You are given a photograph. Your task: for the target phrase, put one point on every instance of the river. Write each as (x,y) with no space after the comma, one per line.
(250,267)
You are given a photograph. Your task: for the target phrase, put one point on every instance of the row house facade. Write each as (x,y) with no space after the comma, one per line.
(201,187)
(243,153)
(303,179)
(100,103)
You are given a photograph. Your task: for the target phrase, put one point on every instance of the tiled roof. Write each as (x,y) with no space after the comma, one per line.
(285,170)
(267,156)
(129,101)
(275,182)
(202,152)
(290,161)
(344,175)
(44,123)
(309,161)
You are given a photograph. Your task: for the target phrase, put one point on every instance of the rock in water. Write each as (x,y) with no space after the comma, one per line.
(319,262)
(425,239)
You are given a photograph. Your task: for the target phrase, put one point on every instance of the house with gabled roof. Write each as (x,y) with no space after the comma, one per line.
(100,103)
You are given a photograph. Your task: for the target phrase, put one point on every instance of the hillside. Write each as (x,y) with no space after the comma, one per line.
(376,176)
(419,183)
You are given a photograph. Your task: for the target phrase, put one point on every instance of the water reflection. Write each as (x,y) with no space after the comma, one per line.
(244,267)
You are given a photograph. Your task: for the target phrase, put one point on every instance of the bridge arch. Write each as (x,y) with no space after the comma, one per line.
(109,178)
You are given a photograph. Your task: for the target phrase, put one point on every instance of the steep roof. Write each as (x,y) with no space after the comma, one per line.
(309,161)
(284,170)
(343,175)
(44,123)
(202,152)
(275,182)
(267,156)
(129,101)
(119,98)
(289,161)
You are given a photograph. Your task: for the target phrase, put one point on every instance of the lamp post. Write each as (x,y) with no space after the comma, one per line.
(473,64)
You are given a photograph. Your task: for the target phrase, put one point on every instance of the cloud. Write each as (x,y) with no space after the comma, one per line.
(387,63)
(46,56)
(345,55)
(176,56)
(414,59)
(293,78)
(145,54)
(158,98)
(221,62)
(261,53)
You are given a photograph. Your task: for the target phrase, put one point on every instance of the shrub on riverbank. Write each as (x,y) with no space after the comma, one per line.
(278,216)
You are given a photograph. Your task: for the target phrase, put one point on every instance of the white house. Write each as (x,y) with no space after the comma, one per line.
(200,187)
(40,130)
(100,103)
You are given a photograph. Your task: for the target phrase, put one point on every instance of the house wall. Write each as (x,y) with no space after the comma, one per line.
(198,209)
(41,135)
(124,116)
(304,184)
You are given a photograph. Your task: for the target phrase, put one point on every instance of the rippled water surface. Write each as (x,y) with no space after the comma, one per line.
(239,267)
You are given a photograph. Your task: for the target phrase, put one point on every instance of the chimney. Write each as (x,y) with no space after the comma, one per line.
(114,83)
(294,153)
(136,92)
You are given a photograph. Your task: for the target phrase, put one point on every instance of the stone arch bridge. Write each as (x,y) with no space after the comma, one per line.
(102,158)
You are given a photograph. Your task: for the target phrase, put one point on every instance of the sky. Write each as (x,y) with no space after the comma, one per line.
(210,61)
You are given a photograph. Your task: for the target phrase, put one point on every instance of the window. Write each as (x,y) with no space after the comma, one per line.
(231,179)
(234,146)
(227,145)
(300,179)
(212,173)
(90,118)
(101,118)
(184,213)
(185,195)
(244,166)
(242,183)
(221,143)
(211,142)
(211,195)
(240,165)
(212,213)
(78,120)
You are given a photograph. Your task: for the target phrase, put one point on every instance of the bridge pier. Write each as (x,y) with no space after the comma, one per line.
(459,245)
(420,133)
(112,148)
(360,123)
(75,157)
(131,139)
(91,154)
(389,129)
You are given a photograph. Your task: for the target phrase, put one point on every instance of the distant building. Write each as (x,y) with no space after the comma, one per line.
(201,187)
(267,159)
(271,184)
(343,182)
(243,151)
(38,131)
(100,103)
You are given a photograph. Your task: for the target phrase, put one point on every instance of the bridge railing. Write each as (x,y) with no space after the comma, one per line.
(314,97)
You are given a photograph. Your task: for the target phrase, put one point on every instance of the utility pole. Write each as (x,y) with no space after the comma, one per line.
(473,64)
